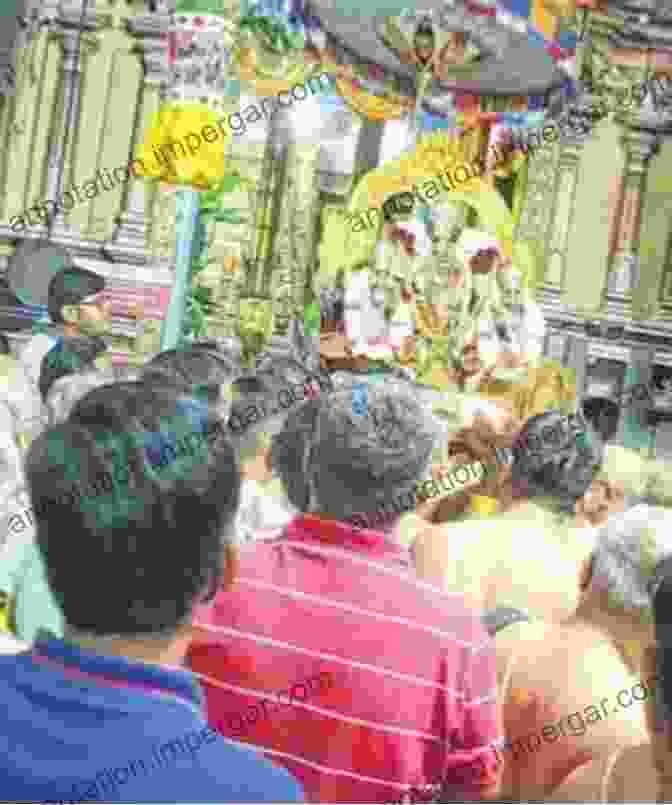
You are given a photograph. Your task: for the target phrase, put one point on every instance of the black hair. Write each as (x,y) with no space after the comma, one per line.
(557,455)
(398,204)
(69,287)
(291,452)
(138,487)
(283,369)
(425,28)
(603,414)
(332,306)
(197,369)
(70,355)
(5,348)
(269,392)
(225,352)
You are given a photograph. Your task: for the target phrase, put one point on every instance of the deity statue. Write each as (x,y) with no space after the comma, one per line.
(466,326)
(430,44)
(379,299)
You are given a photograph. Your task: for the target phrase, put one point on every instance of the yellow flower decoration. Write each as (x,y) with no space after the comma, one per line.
(176,151)
(370,106)
(435,153)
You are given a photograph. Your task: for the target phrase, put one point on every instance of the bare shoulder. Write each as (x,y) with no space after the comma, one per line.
(632,776)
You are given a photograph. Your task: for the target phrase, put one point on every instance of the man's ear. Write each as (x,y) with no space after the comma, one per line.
(586,574)
(231,563)
(268,459)
(70,313)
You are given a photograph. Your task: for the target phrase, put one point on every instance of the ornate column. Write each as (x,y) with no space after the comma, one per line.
(25,124)
(577,359)
(596,192)
(534,223)
(61,151)
(639,147)
(560,222)
(232,247)
(132,230)
(655,238)
(295,243)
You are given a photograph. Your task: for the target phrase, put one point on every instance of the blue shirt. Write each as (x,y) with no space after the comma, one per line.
(80,727)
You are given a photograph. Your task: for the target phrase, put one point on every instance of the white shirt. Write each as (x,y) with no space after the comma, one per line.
(10,645)
(260,512)
(31,353)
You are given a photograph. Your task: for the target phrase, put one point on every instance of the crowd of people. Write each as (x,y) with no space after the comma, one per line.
(192,614)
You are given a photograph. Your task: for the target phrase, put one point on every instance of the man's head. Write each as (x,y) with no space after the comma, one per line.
(134,496)
(197,370)
(603,414)
(254,420)
(558,456)
(488,439)
(77,302)
(70,356)
(339,462)
(66,392)
(627,565)
(262,401)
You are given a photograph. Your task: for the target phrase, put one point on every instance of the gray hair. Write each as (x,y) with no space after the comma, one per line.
(629,551)
(335,456)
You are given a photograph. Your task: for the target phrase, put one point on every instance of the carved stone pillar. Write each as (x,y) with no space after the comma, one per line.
(561,215)
(295,243)
(534,222)
(577,359)
(24,125)
(655,236)
(594,203)
(132,230)
(639,146)
(62,142)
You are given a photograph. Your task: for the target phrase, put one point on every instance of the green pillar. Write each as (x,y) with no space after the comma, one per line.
(635,433)
(186,217)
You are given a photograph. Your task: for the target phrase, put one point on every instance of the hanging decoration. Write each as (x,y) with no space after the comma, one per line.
(270,50)
(436,54)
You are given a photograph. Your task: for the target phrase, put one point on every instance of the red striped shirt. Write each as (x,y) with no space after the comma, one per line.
(412,696)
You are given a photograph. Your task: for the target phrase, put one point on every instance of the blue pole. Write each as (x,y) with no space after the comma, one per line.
(186,217)
(636,434)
